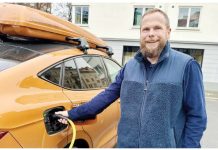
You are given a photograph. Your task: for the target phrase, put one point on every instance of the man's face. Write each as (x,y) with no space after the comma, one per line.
(153,35)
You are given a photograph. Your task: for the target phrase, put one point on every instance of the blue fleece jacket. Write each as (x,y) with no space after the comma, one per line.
(193,100)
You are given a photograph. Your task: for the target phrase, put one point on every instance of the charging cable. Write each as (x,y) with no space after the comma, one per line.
(73,128)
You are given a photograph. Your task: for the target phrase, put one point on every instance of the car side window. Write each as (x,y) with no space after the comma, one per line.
(112,68)
(92,72)
(71,76)
(53,74)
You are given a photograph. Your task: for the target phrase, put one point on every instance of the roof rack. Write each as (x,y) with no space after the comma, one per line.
(82,43)
(84,46)
(108,49)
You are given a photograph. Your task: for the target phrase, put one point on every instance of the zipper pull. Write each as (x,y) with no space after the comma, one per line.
(146,85)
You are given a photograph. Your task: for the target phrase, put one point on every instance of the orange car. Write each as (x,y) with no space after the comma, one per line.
(46,65)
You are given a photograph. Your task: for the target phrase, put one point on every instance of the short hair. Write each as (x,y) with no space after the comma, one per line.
(155,10)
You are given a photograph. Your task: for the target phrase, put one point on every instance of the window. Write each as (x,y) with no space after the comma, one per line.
(71,76)
(53,74)
(197,54)
(112,68)
(91,67)
(23,49)
(138,13)
(81,15)
(189,17)
(129,52)
(17,52)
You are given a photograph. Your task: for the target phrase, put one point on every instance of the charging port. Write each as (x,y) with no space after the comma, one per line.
(52,124)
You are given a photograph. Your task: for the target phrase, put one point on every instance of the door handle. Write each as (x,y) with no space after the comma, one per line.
(76,105)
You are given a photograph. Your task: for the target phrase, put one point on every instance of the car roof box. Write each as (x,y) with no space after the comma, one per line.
(20,20)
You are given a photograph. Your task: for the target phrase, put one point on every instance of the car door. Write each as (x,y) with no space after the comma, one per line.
(112,68)
(56,137)
(85,77)
(33,96)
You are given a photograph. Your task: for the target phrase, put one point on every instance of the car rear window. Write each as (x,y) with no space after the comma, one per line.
(15,52)
(5,63)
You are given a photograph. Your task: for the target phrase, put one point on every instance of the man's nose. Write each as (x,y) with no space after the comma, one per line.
(151,33)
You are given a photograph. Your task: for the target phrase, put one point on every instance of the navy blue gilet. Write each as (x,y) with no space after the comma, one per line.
(152,114)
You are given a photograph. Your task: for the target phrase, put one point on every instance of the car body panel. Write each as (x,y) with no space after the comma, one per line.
(22,113)
(80,134)
(106,121)
(9,140)
(25,96)
(23,103)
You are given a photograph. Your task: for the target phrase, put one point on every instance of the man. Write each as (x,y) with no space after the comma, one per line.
(161,92)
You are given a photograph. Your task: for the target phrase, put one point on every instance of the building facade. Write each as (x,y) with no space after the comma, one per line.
(193,30)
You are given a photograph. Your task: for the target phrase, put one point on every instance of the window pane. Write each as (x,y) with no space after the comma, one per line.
(183,16)
(148,9)
(92,72)
(137,16)
(85,15)
(194,18)
(53,74)
(71,76)
(78,15)
(16,52)
(113,68)
(197,54)
(7,63)
(129,52)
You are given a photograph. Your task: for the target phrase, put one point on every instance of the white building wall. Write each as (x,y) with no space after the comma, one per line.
(208,21)
(210,64)
(113,22)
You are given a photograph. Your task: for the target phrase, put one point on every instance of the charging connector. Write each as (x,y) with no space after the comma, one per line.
(72,125)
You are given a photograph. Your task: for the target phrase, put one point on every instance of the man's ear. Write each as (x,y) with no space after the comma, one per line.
(168,33)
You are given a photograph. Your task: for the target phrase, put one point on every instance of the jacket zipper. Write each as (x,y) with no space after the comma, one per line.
(142,109)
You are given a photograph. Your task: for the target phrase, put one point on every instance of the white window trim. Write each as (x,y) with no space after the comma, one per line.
(188,19)
(73,15)
(143,11)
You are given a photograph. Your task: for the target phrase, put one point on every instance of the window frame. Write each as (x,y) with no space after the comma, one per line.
(188,19)
(143,11)
(81,11)
(49,67)
(63,74)
(126,47)
(108,75)
(188,49)
(62,63)
(102,62)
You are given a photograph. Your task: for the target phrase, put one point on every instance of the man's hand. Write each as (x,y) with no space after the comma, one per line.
(63,113)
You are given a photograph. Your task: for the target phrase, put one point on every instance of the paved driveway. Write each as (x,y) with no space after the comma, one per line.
(210,138)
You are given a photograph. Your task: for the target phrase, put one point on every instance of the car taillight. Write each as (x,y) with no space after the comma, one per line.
(2,134)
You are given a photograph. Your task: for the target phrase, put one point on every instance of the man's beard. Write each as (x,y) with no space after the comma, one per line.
(151,52)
